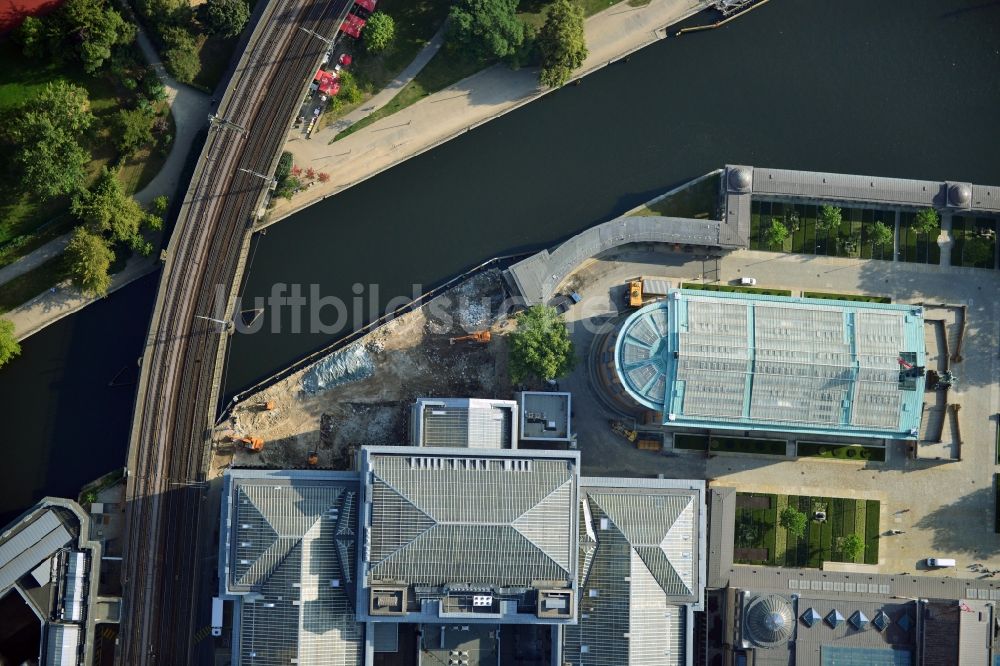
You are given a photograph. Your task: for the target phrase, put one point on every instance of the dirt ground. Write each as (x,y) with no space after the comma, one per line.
(413,358)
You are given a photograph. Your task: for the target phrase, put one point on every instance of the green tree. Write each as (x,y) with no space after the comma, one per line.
(561,42)
(776,234)
(92,29)
(881,235)
(50,162)
(486,28)
(33,37)
(107,210)
(89,259)
(794,521)
(152,86)
(851,546)
(926,221)
(829,218)
(9,347)
(350,92)
(181,54)
(158,206)
(978,251)
(132,129)
(540,346)
(378,33)
(224,17)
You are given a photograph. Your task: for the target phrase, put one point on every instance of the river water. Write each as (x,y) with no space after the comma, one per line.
(907,88)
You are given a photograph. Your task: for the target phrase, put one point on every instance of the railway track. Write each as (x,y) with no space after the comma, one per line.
(175,406)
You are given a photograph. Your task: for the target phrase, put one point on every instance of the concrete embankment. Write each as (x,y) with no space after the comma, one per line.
(611,35)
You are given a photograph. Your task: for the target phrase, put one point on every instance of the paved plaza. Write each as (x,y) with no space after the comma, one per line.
(945,509)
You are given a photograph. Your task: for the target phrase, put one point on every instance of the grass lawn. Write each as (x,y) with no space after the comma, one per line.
(443,70)
(699,442)
(25,287)
(846,297)
(965,228)
(758,528)
(770,447)
(698,201)
(856,452)
(734,288)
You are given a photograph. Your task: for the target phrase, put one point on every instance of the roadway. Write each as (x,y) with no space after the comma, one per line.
(181,365)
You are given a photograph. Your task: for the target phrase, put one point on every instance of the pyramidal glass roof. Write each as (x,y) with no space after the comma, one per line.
(811,617)
(859,620)
(834,618)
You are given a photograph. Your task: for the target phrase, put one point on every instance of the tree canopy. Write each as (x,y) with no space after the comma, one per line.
(793,520)
(776,234)
(852,546)
(487,28)
(92,29)
(829,217)
(379,31)
(9,347)
(978,251)
(106,209)
(881,235)
(44,135)
(181,54)
(133,129)
(540,346)
(224,17)
(89,259)
(562,43)
(926,221)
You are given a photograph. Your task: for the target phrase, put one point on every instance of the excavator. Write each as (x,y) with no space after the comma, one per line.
(482,337)
(623,430)
(252,444)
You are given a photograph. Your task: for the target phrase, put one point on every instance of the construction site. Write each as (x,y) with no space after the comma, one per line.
(361,394)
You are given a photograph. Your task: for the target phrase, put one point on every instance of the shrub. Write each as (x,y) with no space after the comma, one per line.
(794,521)
(540,346)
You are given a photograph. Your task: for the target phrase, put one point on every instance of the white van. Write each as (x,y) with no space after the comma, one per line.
(940,562)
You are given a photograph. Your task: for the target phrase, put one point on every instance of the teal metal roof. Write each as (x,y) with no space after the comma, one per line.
(747,362)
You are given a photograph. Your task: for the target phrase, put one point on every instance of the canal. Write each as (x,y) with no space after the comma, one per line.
(898,88)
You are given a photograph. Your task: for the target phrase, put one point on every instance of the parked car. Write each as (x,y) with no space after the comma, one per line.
(748,281)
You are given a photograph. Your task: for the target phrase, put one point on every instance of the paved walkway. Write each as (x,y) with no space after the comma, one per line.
(385,96)
(190,109)
(611,34)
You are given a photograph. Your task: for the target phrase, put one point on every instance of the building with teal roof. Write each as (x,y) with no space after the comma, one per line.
(737,361)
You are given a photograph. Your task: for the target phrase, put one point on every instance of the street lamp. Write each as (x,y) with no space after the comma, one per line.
(215,121)
(227,326)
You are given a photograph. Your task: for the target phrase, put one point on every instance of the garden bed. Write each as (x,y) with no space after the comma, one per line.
(757,530)
(737,289)
(846,297)
(692,442)
(853,452)
(770,447)
(851,238)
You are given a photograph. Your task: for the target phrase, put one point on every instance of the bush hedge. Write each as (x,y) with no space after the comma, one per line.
(733,288)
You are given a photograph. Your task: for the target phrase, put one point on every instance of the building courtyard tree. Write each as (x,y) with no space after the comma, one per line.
(978,251)
(540,346)
(562,42)
(829,218)
(881,235)
(851,546)
(794,521)
(776,234)
(927,221)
